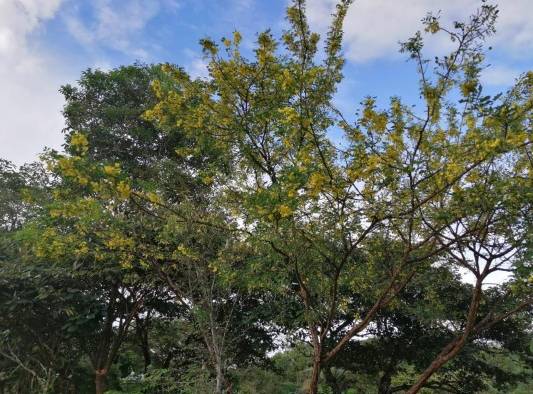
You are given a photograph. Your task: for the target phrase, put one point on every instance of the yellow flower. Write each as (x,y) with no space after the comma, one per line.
(289,114)
(123,189)
(112,170)
(316,180)
(237,37)
(82,249)
(373,162)
(117,241)
(80,142)
(55,213)
(154,198)
(470,122)
(207,180)
(284,211)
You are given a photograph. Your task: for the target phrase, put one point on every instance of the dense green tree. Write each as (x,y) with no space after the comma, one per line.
(26,346)
(107,215)
(403,339)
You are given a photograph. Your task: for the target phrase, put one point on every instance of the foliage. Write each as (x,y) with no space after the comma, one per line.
(193,226)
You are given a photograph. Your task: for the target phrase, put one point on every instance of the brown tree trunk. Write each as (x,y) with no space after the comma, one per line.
(455,346)
(100,377)
(315,375)
(447,354)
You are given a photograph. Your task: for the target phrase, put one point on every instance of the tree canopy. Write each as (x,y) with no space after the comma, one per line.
(208,235)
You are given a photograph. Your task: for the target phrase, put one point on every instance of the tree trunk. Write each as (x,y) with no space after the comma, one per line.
(455,346)
(141,328)
(385,383)
(145,346)
(100,380)
(315,375)
(447,354)
(220,381)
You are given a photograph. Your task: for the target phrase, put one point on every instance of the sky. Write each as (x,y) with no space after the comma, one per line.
(47,43)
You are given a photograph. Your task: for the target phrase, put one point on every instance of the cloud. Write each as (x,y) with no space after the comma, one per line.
(20,17)
(373,28)
(29,101)
(197,68)
(116,25)
(195,64)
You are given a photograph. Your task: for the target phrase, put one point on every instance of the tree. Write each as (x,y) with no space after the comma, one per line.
(84,235)
(403,339)
(313,208)
(107,211)
(29,355)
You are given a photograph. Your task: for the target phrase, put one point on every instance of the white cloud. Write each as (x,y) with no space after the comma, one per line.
(116,25)
(197,68)
(195,64)
(30,104)
(374,27)
(31,73)
(20,17)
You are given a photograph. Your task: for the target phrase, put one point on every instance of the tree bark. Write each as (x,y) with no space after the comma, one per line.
(317,361)
(100,378)
(444,356)
(219,387)
(142,334)
(215,350)
(455,346)
(217,360)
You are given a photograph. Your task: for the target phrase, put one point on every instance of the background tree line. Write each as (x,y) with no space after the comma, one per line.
(207,235)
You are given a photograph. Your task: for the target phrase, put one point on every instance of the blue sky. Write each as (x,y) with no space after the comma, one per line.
(46,43)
